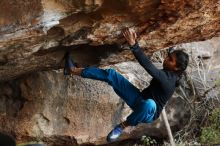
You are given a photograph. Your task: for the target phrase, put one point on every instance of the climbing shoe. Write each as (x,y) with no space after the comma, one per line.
(114,134)
(68,64)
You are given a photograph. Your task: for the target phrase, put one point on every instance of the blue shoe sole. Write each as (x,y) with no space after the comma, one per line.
(109,139)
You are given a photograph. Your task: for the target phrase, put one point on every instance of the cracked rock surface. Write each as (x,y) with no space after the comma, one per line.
(46,27)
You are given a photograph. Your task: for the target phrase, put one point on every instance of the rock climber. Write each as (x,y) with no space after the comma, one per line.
(147,104)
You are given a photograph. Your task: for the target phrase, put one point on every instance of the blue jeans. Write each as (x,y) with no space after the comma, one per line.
(143,110)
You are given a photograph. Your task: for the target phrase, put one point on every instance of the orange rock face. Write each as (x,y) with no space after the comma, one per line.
(30,27)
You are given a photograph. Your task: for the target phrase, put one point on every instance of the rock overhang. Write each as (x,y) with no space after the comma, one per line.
(49,27)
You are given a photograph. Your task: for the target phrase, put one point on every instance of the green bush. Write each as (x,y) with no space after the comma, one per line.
(146,141)
(211,134)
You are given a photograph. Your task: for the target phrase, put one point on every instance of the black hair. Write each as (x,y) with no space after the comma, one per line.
(182,60)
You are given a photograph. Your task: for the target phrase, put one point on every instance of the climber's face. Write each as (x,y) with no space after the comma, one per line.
(170,62)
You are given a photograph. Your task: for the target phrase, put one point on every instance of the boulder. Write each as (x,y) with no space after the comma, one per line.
(46,104)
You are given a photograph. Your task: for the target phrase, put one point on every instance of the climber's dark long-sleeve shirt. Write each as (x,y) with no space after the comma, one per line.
(161,86)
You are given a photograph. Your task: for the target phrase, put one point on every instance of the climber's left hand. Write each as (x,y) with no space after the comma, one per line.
(130,36)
